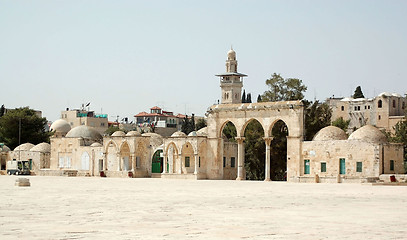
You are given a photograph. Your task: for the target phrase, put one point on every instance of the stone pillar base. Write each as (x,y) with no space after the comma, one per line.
(267,180)
(240,179)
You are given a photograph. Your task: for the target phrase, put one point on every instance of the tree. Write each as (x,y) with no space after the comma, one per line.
(358,93)
(2,110)
(259,98)
(249,98)
(32,127)
(342,124)
(110,130)
(244,96)
(317,116)
(201,123)
(188,124)
(229,131)
(281,89)
(254,151)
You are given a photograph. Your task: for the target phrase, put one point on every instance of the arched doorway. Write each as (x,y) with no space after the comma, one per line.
(125,157)
(157,162)
(112,163)
(254,150)
(187,158)
(278,153)
(229,164)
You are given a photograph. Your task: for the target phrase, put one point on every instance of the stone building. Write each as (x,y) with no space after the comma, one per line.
(82,117)
(383,111)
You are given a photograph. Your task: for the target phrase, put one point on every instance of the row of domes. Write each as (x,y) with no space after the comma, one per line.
(41,147)
(367,133)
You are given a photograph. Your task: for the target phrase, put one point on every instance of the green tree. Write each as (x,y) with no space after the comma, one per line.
(259,98)
(358,93)
(249,98)
(244,96)
(317,116)
(201,123)
(278,163)
(281,89)
(32,127)
(229,131)
(188,124)
(254,151)
(342,124)
(110,130)
(2,110)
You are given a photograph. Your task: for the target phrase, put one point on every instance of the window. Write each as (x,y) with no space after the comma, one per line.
(365,107)
(186,161)
(403,105)
(391,165)
(379,104)
(102,124)
(306,167)
(137,162)
(368,107)
(342,108)
(380,117)
(61,162)
(394,103)
(199,161)
(224,161)
(358,108)
(232,162)
(30,162)
(323,167)
(359,166)
(342,168)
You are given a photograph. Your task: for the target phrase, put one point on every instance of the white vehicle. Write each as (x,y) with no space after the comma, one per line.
(18,167)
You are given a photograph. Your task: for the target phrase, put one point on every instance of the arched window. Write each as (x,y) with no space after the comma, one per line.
(379,104)
(380,117)
(394,103)
(342,108)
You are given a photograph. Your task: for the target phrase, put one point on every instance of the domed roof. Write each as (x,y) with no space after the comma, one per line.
(41,147)
(133,134)
(192,134)
(4,148)
(96,144)
(155,139)
(330,133)
(368,133)
(231,54)
(202,132)
(178,134)
(24,147)
(60,125)
(84,132)
(118,134)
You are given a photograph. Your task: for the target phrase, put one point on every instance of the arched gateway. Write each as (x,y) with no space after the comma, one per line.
(210,160)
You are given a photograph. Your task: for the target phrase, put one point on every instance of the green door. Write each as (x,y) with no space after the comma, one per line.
(157,162)
(342,169)
(306,166)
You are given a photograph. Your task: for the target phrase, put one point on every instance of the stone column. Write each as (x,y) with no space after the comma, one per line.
(267,141)
(165,163)
(180,163)
(196,164)
(240,157)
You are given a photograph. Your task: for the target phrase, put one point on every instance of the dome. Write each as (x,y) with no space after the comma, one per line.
(368,133)
(4,148)
(202,132)
(133,134)
(178,134)
(192,134)
(330,133)
(24,147)
(232,54)
(118,134)
(41,147)
(60,125)
(84,132)
(155,139)
(96,144)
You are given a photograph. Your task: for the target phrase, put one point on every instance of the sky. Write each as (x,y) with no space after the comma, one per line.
(124,57)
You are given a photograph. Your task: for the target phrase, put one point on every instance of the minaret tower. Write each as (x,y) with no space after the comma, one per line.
(231,82)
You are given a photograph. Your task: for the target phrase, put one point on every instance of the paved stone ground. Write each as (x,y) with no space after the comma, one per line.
(123,208)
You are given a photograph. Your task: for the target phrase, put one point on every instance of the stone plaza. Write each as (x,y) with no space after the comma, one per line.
(148,208)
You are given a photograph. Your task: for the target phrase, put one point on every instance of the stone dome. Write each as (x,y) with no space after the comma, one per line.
(330,133)
(192,134)
(155,139)
(96,144)
(84,132)
(133,134)
(42,147)
(368,133)
(231,54)
(60,125)
(24,147)
(202,132)
(4,148)
(118,134)
(178,134)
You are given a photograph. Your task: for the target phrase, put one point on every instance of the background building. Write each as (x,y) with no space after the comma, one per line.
(82,117)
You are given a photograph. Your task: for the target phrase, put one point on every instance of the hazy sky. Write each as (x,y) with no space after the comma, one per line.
(127,56)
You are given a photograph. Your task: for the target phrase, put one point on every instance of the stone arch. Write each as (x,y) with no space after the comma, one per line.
(172,153)
(125,157)
(269,131)
(187,158)
(85,161)
(111,152)
(242,130)
(224,125)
